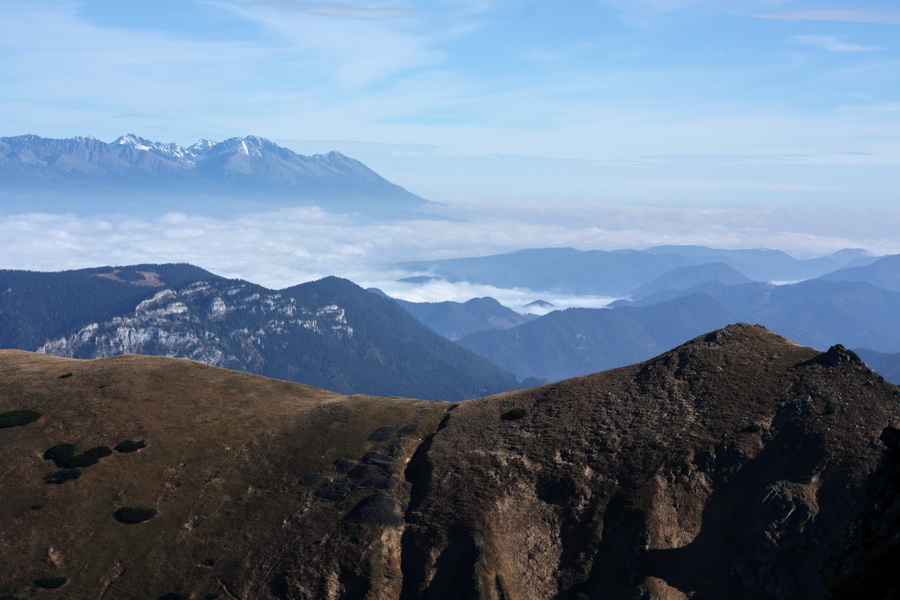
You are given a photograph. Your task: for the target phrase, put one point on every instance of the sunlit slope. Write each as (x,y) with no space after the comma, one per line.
(233,463)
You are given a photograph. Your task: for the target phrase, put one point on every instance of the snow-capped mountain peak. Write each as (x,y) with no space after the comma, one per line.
(246,169)
(170,150)
(134,141)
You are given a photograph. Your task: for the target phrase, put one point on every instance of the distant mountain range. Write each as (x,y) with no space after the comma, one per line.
(132,174)
(578,341)
(621,273)
(329,333)
(856,306)
(883,273)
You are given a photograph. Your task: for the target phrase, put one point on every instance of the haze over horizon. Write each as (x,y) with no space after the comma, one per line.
(604,124)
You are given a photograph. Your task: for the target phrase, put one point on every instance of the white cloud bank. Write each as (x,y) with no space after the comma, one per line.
(833,43)
(297,245)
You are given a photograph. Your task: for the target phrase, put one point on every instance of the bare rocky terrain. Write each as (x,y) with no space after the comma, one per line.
(739,465)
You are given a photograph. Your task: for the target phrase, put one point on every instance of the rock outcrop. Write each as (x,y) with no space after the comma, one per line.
(735,462)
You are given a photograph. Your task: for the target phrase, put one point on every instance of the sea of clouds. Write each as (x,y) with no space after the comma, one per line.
(291,246)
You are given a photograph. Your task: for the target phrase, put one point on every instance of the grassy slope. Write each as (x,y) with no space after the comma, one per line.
(226,453)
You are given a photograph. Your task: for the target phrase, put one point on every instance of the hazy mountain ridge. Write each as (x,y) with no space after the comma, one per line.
(619,273)
(766,264)
(563,269)
(133,174)
(685,278)
(738,461)
(817,313)
(844,306)
(883,273)
(578,341)
(455,320)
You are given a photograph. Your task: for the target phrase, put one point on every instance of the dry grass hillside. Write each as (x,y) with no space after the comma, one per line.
(731,467)
(240,468)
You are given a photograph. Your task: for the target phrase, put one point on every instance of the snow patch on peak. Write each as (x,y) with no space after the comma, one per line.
(250,149)
(253,145)
(258,141)
(134,141)
(138,143)
(201,145)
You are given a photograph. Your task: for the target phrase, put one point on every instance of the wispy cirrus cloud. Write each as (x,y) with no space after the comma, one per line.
(641,12)
(885,16)
(649,6)
(334,9)
(883,107)
(363,47)
(57,62)
(833,43)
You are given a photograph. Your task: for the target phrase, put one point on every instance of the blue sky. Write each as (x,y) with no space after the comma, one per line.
(776,121)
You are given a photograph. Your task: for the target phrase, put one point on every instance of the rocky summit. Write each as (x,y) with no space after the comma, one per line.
(738,465)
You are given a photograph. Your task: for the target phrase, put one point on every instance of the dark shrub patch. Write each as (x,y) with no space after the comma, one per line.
(387,483)
(65,375)
(15,418)
(49,583)
(135,514)
(79,460)
(514,414)
(36,506)
(344,465)
(63,455)
(379,460)
(60,476)
(378,509)
(311,479)
(9,597)
(59,451)
(382,434)
(98,452)
(175,596)
(212,596)
(334,490)
(411,428)
(130,446)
